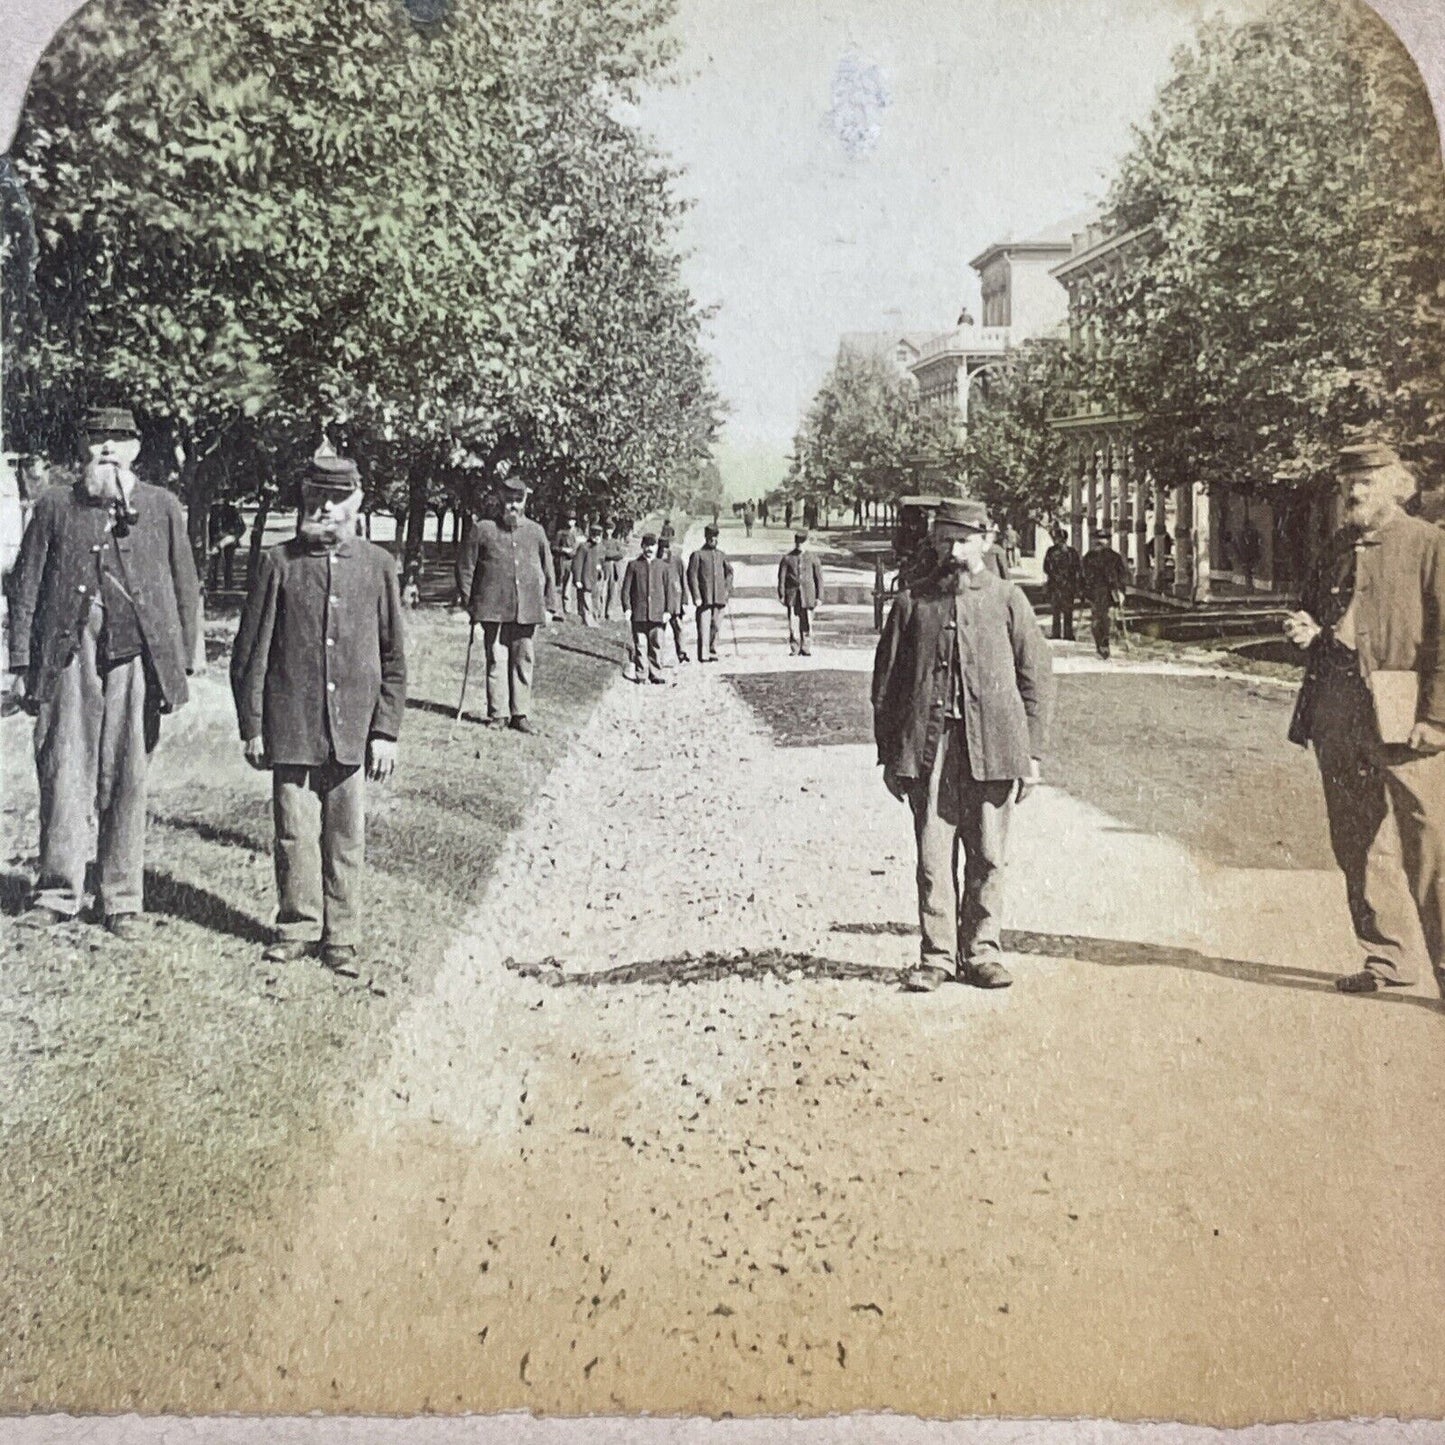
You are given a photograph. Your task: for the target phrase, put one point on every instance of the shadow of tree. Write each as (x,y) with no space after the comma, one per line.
(178,899)
(710,967)
(874,930)
(213,832)
(616,654)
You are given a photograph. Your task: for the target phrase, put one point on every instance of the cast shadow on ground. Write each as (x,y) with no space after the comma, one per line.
(15,891)
(1128,953)
(773,963)
(176,898)
(616,656)
(213,833)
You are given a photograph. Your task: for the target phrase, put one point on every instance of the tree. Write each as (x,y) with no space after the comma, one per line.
(1015,459)
(251,219)
(1290,285)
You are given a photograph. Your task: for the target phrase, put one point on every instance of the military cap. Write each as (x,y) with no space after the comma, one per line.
(649,539)
(960,517)
(1367,457)
(594,529)
(110,421)
(710,531)
(512,486)
(800,536)
(333,474)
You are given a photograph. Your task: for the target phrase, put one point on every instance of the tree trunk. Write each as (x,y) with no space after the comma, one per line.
(416,510)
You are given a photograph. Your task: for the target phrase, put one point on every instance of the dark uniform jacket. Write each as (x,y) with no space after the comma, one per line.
(976,648)
(645,589)
(676,583)
(710,577)
(318,667)
(1103,573)
(1396,576)
(57,574)
(587,566)
(800,580)
(1064,571)
(506,576)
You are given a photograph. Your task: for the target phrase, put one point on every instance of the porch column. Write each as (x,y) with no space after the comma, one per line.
(1201,543)
(1123,524)
(1184,540)
(1091,477)
(1076,496)
(1161,531)
(1141,530)
(1106,470)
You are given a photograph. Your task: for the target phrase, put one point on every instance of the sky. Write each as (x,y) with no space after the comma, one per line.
(847,158)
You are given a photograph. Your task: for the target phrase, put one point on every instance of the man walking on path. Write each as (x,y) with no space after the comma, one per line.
(1250,548)
(1063,576)
(564,548)
(319,678)
(710,584)
(962,700)
(1104,580)
(677,594)
(644,600)
(225,530)
(750,514)
(614,561)
(800,589)
(505,581)
(105,609)
(587,569)
(1373,705)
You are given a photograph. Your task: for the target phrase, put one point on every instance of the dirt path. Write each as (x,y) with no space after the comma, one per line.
(698,1153)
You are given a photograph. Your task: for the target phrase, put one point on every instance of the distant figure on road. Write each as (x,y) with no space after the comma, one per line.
(225,528)
(710,584)
(506,583)
(1249,548)
(1010,546)
(1063,579)
(1104,580)
(645,590)
(677,594)
(587,578)
(800,590)
(787,514)
(1373,705)
(750,515)
(316,717)
(564,548)
(962,699)
(104,612)
(614,561)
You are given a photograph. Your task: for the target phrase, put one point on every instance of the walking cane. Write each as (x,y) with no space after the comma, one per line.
(466,673)
(733,629)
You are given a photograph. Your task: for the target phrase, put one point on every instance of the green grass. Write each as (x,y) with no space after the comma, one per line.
(157,1096)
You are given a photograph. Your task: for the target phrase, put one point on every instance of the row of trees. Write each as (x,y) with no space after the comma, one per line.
(1287,290)
(440,237)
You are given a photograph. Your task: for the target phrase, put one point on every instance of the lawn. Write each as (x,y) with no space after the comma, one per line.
(154,1095)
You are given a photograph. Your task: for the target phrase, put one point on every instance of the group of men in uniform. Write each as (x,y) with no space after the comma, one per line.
(103,632)
(1100,578)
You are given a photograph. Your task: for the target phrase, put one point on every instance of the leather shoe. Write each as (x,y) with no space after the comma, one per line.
(519,724)
(985,973)
(925,978)
(124,926)
(1367,981)
(288,950)
(42,917)
(340,958)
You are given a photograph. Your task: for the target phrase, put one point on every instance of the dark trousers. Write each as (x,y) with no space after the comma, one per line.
(958,820)
(93,743)
(511,654)
(320,816)
(223,566)
(1386,808)
(804,618)
(674,621)
(1101,622)
(647,636)
(709,613)
(1063,618)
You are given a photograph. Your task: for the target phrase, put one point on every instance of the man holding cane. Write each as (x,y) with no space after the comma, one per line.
(962,700)
(1373,705)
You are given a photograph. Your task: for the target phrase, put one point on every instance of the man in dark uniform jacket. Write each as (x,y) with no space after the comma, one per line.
(800,589)
(225,530)
(644,599)
(587,579)
(962,700)
(1104,580)
(319,678)
(506,583)
(677,593)
(105,608)
(1373,705)
(1063,576)
(710,584)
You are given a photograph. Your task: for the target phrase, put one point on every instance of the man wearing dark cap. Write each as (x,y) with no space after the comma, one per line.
(644,600)
(104,619)
(318,674)
(710,582)
(564,548)
(587,578)
(677,593)
(506,583)
(1372,621)
(800,589)
(1104,578)
(962,699)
